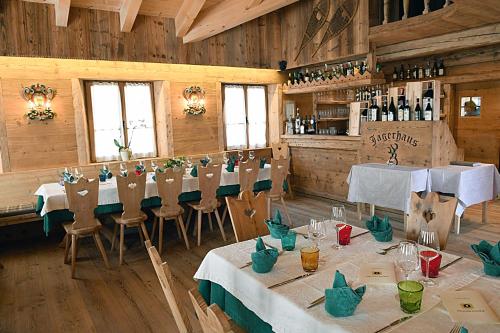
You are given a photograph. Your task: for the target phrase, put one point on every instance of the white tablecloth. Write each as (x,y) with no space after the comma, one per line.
(386,186)
(54,196)
(470,185)
(285,307)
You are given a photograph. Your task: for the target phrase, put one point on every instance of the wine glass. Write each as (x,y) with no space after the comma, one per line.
(123,169)
(316,230)
(240,155)
(407,257)
(225,157)
(77,172)
(428,239)
(251,155)
(189,162)
(208,159)
(154,166)
(339,222)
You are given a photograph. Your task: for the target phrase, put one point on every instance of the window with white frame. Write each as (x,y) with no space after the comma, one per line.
(245,116)
(123,111)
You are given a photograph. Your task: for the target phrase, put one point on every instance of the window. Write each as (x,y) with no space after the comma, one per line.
(470,106)
(245,116)
(122,111)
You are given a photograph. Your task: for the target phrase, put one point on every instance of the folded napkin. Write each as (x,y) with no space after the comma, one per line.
(139,169)
(342,300)
(204,162)
(381,229)
(489,255)
(194,171)
(231,163)
(276,227)
(263,259)
(463,330)
(103,175)
(68,177)
(262,162)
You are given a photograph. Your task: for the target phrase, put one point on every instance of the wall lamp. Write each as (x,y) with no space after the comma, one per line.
(39,98)
(195,100)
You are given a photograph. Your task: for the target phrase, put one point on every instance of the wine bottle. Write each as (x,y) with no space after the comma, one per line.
(307,77)
(406,111)
(408,73)
(306,125)
(363,68)
(428,71)
(290,80)
(384,116)
(418,111)
(395,74)
(420,72)
(298,122)
(311,128)
(401,111)
(415,72)
(435,69)
(391,116)
(377,115)
(402,73)
(441,68)
(356,68)
(428,111)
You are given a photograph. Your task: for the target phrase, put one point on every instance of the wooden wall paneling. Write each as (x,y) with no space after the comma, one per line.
(4,146)
(163,117)
(220,116)
(81,127)
(35,144)
(275,113)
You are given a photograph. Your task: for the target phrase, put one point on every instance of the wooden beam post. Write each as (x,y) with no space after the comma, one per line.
(386,11)
(406,9)
(128,13)
(228,14)
(62,12)
(186,15)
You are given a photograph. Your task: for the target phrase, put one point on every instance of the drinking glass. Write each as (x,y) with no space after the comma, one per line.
(338,218)
(288,241)
(429,239)
(154,166)
(251,155)
(208,158)
(240,155)
(77,172)
(309,257)
(410,296)
(316,230)
(407,257)
(123,169)
(225,157)
(189,162)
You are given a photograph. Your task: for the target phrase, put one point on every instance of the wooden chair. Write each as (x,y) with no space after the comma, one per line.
(279,172)
(170,290)
(211,318)
(280,150)
(169,184)
(131,191)
(209,180)
(248,213)
(431,211)
(82,199)
(248,172)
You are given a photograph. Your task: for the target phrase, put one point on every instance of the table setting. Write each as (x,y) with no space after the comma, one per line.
(317,279)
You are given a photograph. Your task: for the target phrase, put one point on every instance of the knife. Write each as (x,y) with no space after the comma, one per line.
(394,323)
(289,281)
(316,302)
(450,263)
(361,234)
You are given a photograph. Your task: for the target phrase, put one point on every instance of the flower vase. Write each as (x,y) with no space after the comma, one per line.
(125,154)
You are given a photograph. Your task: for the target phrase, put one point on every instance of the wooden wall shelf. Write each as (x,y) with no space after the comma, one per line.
(353,81)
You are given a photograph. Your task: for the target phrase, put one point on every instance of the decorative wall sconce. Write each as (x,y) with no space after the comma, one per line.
(39,98)
(195,100)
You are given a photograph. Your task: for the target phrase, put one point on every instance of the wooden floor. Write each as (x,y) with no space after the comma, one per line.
(37,293)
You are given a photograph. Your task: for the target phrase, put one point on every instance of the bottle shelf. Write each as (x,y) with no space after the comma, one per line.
(333,119)
(343,82)
(319,102)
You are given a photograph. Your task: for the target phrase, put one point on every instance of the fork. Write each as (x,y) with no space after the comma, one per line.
(386,250)
(456,328)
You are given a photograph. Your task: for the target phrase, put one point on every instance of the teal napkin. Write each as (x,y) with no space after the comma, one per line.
(194,171)
(68,177)
(262,162)
(489,255)
(263,259)
(231,164)
(381,229)
(204,162)
(463,330)
(342,300)
(276,227)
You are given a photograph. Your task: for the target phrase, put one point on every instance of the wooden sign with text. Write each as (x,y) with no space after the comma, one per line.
(412,143)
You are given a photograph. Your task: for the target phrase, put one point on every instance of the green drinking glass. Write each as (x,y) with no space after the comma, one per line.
(410,296)
(288,241)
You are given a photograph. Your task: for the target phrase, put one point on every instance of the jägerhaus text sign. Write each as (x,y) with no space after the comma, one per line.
(405,143)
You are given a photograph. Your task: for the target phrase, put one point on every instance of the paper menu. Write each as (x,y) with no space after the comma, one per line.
(373,273)
(468,306)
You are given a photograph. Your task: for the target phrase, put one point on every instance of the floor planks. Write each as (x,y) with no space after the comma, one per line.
(37,293)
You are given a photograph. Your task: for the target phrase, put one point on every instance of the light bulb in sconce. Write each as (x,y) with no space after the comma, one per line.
(39,99)
(195,100)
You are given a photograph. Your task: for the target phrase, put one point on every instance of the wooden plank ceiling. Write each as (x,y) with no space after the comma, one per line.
(195,20)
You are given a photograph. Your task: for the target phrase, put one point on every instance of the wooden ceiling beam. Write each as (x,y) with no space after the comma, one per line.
(128,13)
(186,15)
(228,14)
(62,12)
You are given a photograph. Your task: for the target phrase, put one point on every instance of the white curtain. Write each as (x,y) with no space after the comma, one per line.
(140,120)
(257,116)
(235,117)
(107,119)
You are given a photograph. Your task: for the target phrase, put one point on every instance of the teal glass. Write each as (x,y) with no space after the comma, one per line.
(410,296)
(288,240)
